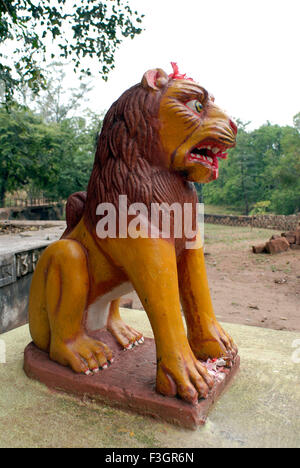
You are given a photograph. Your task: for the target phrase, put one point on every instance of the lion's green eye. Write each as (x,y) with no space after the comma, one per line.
(199,107)
(195,105)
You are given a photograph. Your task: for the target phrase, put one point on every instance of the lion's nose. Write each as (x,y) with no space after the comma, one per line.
(233,126)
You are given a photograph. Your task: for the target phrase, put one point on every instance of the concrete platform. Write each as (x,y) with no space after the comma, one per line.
(260,409)
(12,243)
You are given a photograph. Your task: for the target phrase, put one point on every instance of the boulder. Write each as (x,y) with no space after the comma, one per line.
(259,249)
(275,236)
(290,236)
(277,246)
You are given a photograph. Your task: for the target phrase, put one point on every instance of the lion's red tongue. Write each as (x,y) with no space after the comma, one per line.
(215,173)
(215,167)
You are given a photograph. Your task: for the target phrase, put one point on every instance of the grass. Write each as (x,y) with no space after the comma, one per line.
(215,233)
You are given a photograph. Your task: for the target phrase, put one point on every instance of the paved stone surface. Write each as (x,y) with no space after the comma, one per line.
(260,409)
(31,239)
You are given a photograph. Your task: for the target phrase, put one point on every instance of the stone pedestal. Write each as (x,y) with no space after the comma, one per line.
(19,254)
(16,270)
(129,383)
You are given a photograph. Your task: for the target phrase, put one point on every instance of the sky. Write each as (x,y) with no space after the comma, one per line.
(245,52)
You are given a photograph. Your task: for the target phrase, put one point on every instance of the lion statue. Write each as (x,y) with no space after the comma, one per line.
(157,139)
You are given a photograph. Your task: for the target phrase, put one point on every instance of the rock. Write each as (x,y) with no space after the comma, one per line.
(298,237)
(291,240)
(277,246)
(258,249)
(290,236)
(281,281)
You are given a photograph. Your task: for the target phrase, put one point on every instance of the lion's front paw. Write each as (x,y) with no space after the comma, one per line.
(126,336)
(179,373)
(83,355)
(216,343)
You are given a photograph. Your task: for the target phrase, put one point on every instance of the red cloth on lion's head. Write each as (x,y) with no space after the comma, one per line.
(176,75)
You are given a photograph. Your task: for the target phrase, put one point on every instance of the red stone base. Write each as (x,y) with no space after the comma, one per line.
(129,383)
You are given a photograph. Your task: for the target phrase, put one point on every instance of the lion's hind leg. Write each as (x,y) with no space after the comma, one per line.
(126,336)
(66,289)
(38,316)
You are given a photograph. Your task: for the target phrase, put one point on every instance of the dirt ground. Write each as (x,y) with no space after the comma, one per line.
(258,290)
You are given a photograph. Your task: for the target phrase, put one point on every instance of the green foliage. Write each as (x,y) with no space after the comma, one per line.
(80,29)
(79,142)
(262,172)
(261,207)
(53,157)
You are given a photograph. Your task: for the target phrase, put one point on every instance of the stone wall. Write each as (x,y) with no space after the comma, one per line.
(275,222)
(15,277)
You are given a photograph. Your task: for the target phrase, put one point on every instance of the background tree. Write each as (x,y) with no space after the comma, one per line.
(285,196)
(262,172)
(78,138)
(29,150)
(57,102)
(236,184)
(79,28)
(55,158)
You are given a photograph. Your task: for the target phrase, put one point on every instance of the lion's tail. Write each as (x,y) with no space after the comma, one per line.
(74,210)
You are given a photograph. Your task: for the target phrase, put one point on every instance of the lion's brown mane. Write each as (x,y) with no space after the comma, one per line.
(129,157)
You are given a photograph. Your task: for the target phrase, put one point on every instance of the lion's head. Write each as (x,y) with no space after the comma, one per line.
(166,126)
(194,132)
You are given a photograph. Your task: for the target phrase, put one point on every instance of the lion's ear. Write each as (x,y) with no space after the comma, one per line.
(155,79)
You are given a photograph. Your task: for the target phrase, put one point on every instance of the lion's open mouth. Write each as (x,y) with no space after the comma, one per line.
(207,155)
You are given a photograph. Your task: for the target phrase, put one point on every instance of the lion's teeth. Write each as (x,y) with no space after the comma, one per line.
(215,150)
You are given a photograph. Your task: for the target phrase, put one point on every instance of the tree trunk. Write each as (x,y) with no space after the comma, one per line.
(200,193)
(2,195)
(244,189)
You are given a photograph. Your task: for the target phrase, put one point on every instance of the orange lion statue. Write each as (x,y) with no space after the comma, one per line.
(157,139)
